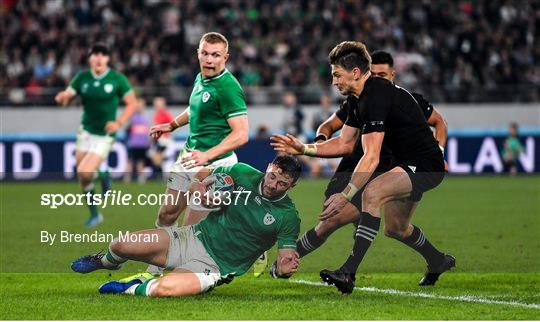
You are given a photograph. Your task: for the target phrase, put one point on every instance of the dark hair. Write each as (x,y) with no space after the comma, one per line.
(350,54)
(382,57)
(514,126)
(99,48)
(289,165)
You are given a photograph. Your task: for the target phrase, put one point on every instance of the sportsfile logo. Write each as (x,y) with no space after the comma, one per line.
(109,198)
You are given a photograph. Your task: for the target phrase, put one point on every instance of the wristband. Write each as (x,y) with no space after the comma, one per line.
(195,180)
(174,124)
(352,191)
(321,137)
(442,148)
(310,151)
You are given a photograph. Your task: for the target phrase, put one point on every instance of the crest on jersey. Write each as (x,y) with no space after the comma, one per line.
(205,97)
(108,88)
(268,219)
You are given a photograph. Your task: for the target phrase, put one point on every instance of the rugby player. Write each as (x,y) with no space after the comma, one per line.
(218,124)
(380,112)
(381,66)
(220,247)
(101,89)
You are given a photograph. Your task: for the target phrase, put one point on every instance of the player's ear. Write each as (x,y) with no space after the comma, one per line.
(356,73)
(226,56)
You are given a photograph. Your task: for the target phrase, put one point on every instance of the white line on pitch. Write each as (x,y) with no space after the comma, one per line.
(463,298)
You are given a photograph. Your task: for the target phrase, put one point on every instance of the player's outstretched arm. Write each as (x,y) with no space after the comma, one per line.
(157,130)
(287,261)
(335,147)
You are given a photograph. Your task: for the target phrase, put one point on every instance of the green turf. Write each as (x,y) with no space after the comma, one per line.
(491,224)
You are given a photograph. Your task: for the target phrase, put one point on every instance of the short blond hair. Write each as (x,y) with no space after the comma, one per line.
(215,38)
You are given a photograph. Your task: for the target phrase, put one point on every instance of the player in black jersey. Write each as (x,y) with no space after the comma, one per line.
(380,112)
(382,65)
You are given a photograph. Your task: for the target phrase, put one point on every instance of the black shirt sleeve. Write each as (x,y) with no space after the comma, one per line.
(377,109)
(425,106)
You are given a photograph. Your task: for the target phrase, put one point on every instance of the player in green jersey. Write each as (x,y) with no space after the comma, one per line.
(101,89)
(223,245)
(512,148)
(218,124)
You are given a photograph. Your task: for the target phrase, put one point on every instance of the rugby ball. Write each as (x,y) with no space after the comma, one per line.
(221,184)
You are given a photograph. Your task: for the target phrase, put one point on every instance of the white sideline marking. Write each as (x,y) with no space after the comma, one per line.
(463,298)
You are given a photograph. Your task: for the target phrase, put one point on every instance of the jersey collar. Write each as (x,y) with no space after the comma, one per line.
(271,200)
(206,80)
(100,76)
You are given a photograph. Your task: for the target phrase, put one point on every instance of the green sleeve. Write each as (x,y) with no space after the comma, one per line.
(124,86)
(75,83)
(289,230)
(232,101)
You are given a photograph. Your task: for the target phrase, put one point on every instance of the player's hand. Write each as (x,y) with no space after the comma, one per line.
(288,264)
(287,143)
(62,98)
(112,127)
(194,159)
(157,130)
(333,206)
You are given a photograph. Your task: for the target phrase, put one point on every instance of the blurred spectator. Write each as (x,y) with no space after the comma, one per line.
(512,148)
(262,133)
(323,114)
(137,144)
(293,118)
(159,147)
(322,166)
(449,50)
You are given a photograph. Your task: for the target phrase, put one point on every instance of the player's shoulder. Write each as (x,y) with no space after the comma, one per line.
(288,209)
(228,81)
(380,83)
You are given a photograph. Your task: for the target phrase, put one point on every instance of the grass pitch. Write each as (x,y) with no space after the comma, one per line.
(491,225)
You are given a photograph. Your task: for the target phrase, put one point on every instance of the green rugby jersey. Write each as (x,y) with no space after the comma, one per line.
(238,234)
(100,97)
(212,102)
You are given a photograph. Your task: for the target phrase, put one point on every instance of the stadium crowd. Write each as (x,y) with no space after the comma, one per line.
(466,51)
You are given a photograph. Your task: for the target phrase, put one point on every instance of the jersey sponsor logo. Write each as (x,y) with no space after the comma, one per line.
(205,97)
(268,219)
(108,88)
(84,87)
(96,84)
(375,123)
(413,168)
